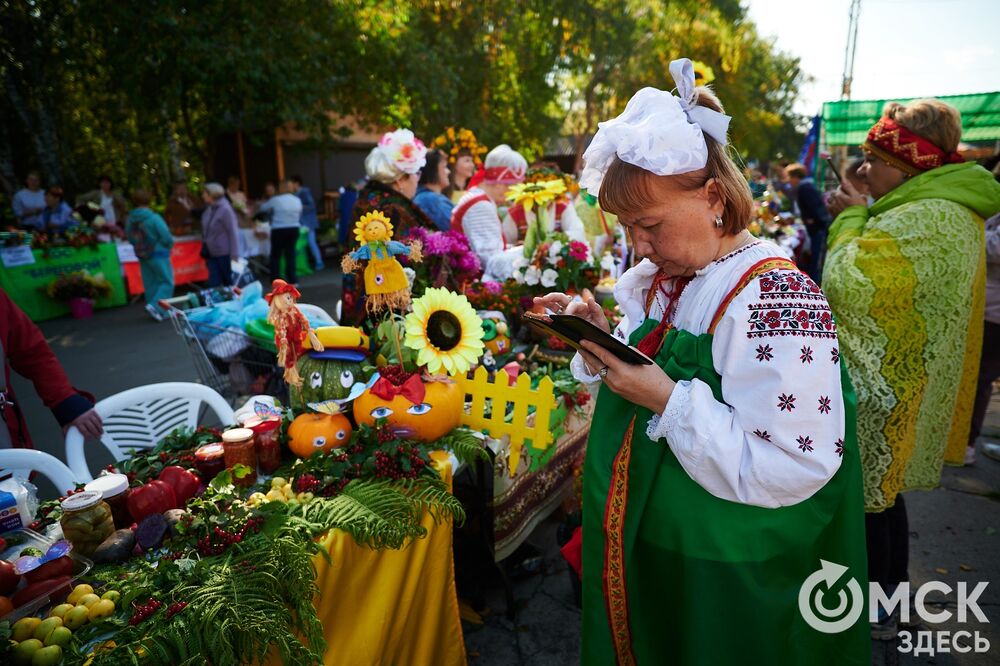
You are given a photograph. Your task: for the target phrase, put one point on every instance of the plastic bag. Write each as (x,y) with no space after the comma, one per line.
(18,503)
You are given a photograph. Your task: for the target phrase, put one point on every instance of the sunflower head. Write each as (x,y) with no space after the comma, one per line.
(445,331)
(373,226)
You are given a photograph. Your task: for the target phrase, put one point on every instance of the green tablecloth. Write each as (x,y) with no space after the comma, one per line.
(24,284)
(302,254)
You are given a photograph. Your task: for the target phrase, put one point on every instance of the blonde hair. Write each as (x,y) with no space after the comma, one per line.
(932,119)
(627,188)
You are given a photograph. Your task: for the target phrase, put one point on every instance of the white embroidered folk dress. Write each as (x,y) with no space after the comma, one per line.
(777,436)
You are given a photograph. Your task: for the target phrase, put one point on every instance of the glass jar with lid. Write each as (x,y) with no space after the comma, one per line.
(114,492)
(268,446)
(86,521)
(210,460)
(238,449)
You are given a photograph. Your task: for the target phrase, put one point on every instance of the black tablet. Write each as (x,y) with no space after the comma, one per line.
(572,330)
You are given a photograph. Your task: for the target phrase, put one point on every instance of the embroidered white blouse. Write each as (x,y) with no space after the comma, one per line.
(777,437)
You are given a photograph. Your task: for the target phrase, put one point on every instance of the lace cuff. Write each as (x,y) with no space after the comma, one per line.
(661,425)
(579,370)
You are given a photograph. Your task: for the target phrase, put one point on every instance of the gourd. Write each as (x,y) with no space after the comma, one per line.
(310,433)
(324,380)
(435,417)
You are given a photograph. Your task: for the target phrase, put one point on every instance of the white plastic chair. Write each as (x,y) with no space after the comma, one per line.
(21,462)
(142,416)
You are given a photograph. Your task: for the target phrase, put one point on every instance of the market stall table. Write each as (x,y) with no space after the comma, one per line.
(26,271)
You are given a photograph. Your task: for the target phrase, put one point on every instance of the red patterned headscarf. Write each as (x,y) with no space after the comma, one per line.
(905,150)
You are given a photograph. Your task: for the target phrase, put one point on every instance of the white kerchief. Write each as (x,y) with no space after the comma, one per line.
(657,131)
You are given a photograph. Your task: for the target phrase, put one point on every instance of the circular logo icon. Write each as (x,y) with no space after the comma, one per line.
(822,582)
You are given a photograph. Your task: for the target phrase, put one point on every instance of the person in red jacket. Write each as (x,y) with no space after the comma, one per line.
(24,350)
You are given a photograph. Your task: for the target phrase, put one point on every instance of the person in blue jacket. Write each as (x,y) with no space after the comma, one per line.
(150,236)
(430,197)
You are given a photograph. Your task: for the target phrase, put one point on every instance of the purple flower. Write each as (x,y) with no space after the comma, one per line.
(438,245)
(492,287)
(467,263)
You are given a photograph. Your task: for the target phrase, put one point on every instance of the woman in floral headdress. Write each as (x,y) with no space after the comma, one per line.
(465,159)
(723,478)
(393,168)
(906,281)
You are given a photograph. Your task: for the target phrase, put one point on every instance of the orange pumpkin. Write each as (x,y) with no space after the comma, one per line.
(310,433)
(435,417)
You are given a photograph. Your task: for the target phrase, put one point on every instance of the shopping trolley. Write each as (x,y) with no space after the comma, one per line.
(233,363)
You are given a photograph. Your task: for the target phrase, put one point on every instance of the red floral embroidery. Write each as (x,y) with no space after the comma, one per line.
(786,403)
(805,443)
(840,447)
(764,353)
(763,434)
(807,354)
(824,405)
(807,320)
(783,283)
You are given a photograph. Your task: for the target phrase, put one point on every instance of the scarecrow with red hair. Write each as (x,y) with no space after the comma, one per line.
(291,328)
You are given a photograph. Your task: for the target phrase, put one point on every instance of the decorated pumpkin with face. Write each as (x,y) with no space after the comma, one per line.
(496,332)
(325,379)
(423,411)
(310,433)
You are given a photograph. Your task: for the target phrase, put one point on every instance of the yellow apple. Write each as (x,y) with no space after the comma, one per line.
(24,628)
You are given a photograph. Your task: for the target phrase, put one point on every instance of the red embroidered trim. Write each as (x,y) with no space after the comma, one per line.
(905,150)
(810,320)
(761,267)
(615,592)
(785,284)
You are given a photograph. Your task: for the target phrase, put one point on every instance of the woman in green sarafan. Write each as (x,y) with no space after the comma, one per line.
(724,475)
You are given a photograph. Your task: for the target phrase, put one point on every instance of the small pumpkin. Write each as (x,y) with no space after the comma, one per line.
(325,379)
(435,417)
(313,432)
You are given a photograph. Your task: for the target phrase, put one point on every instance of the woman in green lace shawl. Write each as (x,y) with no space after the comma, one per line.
(905,279)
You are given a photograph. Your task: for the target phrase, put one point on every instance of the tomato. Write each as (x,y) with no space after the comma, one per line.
(62,566)
(8,577)
(5,606)
(55,587)
(184,482)
(154,497)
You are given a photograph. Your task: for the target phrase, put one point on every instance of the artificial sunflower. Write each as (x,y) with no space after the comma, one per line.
(703,74)
(445,331)
(540,193)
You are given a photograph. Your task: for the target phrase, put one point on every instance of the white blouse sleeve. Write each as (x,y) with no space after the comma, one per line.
(778,436)
(579,369)
(481,226)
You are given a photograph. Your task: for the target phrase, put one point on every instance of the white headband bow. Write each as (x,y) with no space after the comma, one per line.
(657,131)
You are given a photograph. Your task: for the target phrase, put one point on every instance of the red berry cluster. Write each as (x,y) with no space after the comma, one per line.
(176,608)
(580,398)
(396,374)
(219,539)
(144,611)
(334,487)
(387,466)
(109,468)
(385,434)
(307,483)
(70,492)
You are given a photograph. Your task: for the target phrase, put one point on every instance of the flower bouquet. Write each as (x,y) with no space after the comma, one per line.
(79,290)
(448,261)
(558,264)
(537,198)
(455,140)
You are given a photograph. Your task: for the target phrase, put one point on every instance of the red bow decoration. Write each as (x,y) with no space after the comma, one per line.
(412,389)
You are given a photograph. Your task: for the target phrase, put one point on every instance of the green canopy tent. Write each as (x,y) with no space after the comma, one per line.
(846,123)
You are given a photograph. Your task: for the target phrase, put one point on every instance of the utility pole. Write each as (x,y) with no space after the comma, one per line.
(852,44)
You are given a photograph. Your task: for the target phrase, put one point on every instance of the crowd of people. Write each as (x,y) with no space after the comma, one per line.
(218,215)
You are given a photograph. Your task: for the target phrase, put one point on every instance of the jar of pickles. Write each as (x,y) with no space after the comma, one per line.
(238,449)
(114,492)
(86,521)
(267,444)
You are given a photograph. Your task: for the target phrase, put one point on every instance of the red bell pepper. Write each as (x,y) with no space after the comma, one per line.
(154,497)
(184,482)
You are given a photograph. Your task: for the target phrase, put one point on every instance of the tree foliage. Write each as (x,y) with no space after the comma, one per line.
(139,90)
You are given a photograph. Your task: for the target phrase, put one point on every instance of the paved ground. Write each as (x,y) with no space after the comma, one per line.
(955,529)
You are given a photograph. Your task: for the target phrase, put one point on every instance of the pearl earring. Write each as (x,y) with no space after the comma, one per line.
(718,222)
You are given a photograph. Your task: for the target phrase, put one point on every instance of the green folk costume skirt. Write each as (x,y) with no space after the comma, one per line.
(675,575)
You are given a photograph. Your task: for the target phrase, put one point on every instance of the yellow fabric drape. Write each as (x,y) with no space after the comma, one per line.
(395,607)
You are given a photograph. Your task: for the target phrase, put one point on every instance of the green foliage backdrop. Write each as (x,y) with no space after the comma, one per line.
(140,90)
